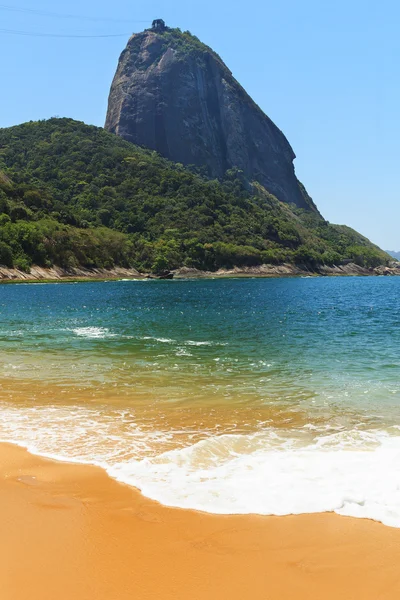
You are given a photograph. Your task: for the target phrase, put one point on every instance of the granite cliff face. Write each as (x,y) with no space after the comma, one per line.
(173,94)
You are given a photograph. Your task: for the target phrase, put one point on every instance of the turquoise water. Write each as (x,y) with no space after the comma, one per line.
(273,396)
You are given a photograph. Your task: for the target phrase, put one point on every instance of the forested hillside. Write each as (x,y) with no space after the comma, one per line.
(74,195)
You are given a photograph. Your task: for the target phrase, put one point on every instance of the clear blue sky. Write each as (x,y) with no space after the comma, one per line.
(326,72)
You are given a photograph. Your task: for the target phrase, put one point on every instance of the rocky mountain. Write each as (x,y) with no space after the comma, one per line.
(173,94)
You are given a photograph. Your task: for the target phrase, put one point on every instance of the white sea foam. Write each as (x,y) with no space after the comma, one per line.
(11,333)
(271,472)
(205,343)
(183,352)
(158,339)
(274,481)
(164,340)
(93,332)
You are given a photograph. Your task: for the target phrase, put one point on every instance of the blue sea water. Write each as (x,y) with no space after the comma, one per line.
(270,396)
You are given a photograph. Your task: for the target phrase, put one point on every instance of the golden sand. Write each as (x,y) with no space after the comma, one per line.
(69,532)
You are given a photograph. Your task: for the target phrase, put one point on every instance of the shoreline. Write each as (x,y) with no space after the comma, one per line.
(70,531)
(59,275)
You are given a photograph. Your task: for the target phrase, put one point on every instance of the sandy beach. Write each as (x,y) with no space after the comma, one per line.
(69,531)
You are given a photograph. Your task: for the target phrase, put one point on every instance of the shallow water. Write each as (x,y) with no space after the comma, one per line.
(270,396)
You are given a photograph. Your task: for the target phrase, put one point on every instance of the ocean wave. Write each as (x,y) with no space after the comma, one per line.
(183,352)
(205,343)
(157,339)
(181,342)
(193,343)
(212,476)
(271,472)
(93,332)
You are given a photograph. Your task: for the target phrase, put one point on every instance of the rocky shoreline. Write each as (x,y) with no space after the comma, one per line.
(57,274)
(289,270)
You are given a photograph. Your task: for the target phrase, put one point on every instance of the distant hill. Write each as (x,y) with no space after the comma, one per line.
(393,254)
(75,195)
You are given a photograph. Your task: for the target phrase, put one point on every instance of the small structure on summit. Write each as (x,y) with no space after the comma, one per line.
(158,25)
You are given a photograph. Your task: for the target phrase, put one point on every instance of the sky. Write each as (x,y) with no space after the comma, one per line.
(327,73)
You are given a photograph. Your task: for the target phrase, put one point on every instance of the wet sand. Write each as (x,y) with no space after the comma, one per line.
(69,532)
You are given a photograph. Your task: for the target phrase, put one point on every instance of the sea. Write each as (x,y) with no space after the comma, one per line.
(229,396)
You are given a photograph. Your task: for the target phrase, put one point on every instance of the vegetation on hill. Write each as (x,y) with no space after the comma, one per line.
(184,42)
(74,195)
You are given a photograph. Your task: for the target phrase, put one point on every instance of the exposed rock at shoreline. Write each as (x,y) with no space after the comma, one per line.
(289,270)
(283,270)
(57,274)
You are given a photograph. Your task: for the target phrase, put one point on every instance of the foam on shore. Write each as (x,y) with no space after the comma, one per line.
(269,472)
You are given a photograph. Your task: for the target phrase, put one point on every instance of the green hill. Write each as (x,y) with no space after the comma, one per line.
(74,195)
